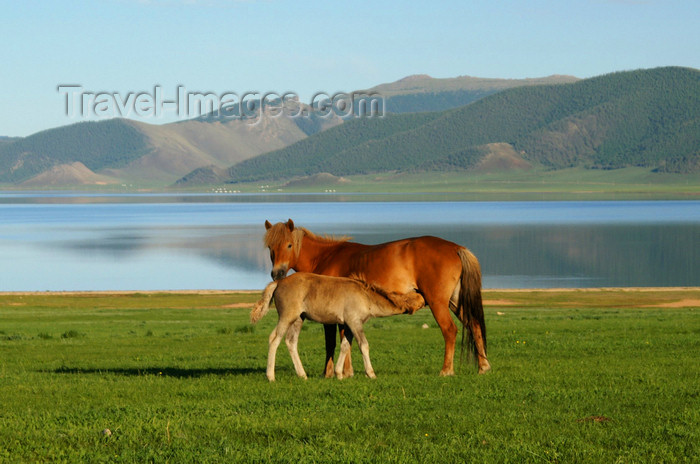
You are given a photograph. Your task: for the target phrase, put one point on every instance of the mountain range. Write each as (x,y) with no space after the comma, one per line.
(126,151)
(648,118)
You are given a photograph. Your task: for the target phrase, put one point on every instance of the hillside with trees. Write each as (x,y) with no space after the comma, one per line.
(97,145)
(645,118)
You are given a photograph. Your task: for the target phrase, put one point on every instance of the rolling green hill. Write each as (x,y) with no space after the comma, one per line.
(645,118)
(128,152)
(133,152)
(112,143)
(310,156)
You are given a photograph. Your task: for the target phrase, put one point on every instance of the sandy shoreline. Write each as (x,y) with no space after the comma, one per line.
(596,289)
(129,292)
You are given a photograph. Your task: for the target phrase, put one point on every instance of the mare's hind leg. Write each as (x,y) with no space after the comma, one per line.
(483,362)
(474,328)
(292,340)
(441,313)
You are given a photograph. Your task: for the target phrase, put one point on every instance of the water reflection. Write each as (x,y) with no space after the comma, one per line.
(199,245)
(527,256)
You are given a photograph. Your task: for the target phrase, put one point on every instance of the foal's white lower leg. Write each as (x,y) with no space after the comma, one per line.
(344,350)
(364,349)
(292,340)
(275,339)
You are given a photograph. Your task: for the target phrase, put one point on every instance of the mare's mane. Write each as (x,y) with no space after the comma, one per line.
(324,238)
(279,233)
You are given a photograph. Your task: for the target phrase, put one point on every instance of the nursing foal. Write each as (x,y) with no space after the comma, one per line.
(328,300)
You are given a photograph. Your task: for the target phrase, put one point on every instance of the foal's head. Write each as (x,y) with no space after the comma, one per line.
(284,242)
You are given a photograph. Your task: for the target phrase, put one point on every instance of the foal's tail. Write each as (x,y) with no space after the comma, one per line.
(263,306)
(471,307)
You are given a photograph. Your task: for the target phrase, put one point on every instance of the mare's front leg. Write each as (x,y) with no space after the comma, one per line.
(292,340)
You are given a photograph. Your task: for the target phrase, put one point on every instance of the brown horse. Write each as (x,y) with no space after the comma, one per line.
(446,274)
(329,300)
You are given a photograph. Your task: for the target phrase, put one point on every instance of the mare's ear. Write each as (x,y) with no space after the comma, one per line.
(290,225)
(267,224)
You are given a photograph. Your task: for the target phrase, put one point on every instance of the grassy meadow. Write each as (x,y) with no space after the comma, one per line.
(536,184)
(632,183)
(578,376)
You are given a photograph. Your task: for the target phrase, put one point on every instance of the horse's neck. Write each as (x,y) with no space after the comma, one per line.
(393,303)
(313,253)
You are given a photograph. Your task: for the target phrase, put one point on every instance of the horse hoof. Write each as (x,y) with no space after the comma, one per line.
(485,369)
(444,373)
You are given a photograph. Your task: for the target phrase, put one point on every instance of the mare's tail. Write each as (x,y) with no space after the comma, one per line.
(263,306)
(471,307)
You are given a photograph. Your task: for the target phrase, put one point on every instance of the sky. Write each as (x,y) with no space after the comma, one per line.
(66,62)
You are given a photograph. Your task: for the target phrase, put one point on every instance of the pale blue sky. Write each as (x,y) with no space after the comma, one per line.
(316,46)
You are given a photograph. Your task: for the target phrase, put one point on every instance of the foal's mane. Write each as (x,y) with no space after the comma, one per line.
(371,287)
(410,301)
(279,233)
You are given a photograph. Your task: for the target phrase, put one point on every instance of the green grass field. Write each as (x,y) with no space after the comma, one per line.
(565,184)
(578,376)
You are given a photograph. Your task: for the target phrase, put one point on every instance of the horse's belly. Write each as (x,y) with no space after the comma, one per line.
(324,318)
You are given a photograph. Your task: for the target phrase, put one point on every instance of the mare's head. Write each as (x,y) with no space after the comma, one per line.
(284,242)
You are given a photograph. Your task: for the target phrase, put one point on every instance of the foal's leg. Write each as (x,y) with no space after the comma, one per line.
(274,340)
(345,331)
(344,350)
(292,339)
(364,349)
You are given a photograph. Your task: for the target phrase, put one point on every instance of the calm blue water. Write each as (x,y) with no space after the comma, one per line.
(163,242)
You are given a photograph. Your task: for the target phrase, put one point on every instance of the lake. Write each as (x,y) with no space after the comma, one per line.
(79,241)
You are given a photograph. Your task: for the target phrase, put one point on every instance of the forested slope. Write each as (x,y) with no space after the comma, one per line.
(648,118)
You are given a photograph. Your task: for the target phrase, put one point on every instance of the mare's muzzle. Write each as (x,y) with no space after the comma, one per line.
(278,274)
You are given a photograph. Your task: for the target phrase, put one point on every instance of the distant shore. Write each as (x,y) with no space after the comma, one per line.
(220,292)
